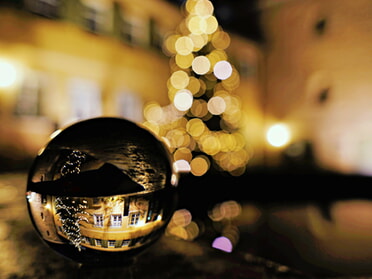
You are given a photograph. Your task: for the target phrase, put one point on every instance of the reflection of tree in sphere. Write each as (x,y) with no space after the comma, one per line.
(102,191)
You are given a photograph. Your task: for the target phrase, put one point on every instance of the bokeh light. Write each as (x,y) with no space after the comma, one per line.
(211,25)
(183,100)
(182,226)
(8,74)
(210,144)
(179,79)
(216,105)
(232,82)
(223,243)
(225,210)
(201,65)
(184,61)
(153,112)
(178,138)
(199,40)
(200,89)
(222,70)
(181,217)
(199,165)
(169,45)
(182,154)
(196,25)
(196,127)
(220,40)
(278,135)
(184,45)
(199,108)
(203,8)
(194,85)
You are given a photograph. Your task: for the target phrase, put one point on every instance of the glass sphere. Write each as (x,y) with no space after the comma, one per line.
(102,191)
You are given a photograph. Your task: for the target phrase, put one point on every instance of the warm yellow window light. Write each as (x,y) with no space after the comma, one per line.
(8,74)
(278,135)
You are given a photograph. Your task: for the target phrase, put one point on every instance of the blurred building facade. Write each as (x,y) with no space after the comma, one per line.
(63,61)
(318,79)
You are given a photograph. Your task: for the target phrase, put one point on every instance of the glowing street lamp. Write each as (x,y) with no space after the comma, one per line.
(278,135)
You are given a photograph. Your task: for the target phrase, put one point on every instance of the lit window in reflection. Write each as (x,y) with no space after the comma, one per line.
(98,220)
(98,242)
(111,243)
(134,219)
(116,220)
(125,243)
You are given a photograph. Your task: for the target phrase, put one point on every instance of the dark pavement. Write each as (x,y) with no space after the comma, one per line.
(24,255)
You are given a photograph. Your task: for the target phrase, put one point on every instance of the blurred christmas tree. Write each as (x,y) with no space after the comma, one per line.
(202,123)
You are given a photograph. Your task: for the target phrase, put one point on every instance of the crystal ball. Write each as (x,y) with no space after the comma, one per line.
(102,191)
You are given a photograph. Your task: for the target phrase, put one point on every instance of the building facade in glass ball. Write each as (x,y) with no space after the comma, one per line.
(102,191)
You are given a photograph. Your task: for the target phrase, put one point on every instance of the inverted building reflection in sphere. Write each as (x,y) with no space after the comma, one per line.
(102,191)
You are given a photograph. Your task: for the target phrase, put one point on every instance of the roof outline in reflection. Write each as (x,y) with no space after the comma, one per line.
(90,183)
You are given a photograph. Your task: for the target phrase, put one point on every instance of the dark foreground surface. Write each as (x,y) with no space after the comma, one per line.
(300,237)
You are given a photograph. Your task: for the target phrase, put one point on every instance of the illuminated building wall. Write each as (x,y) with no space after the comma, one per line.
(118,222)
(43,216)
(56,69)
(77,59)
(317,77)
